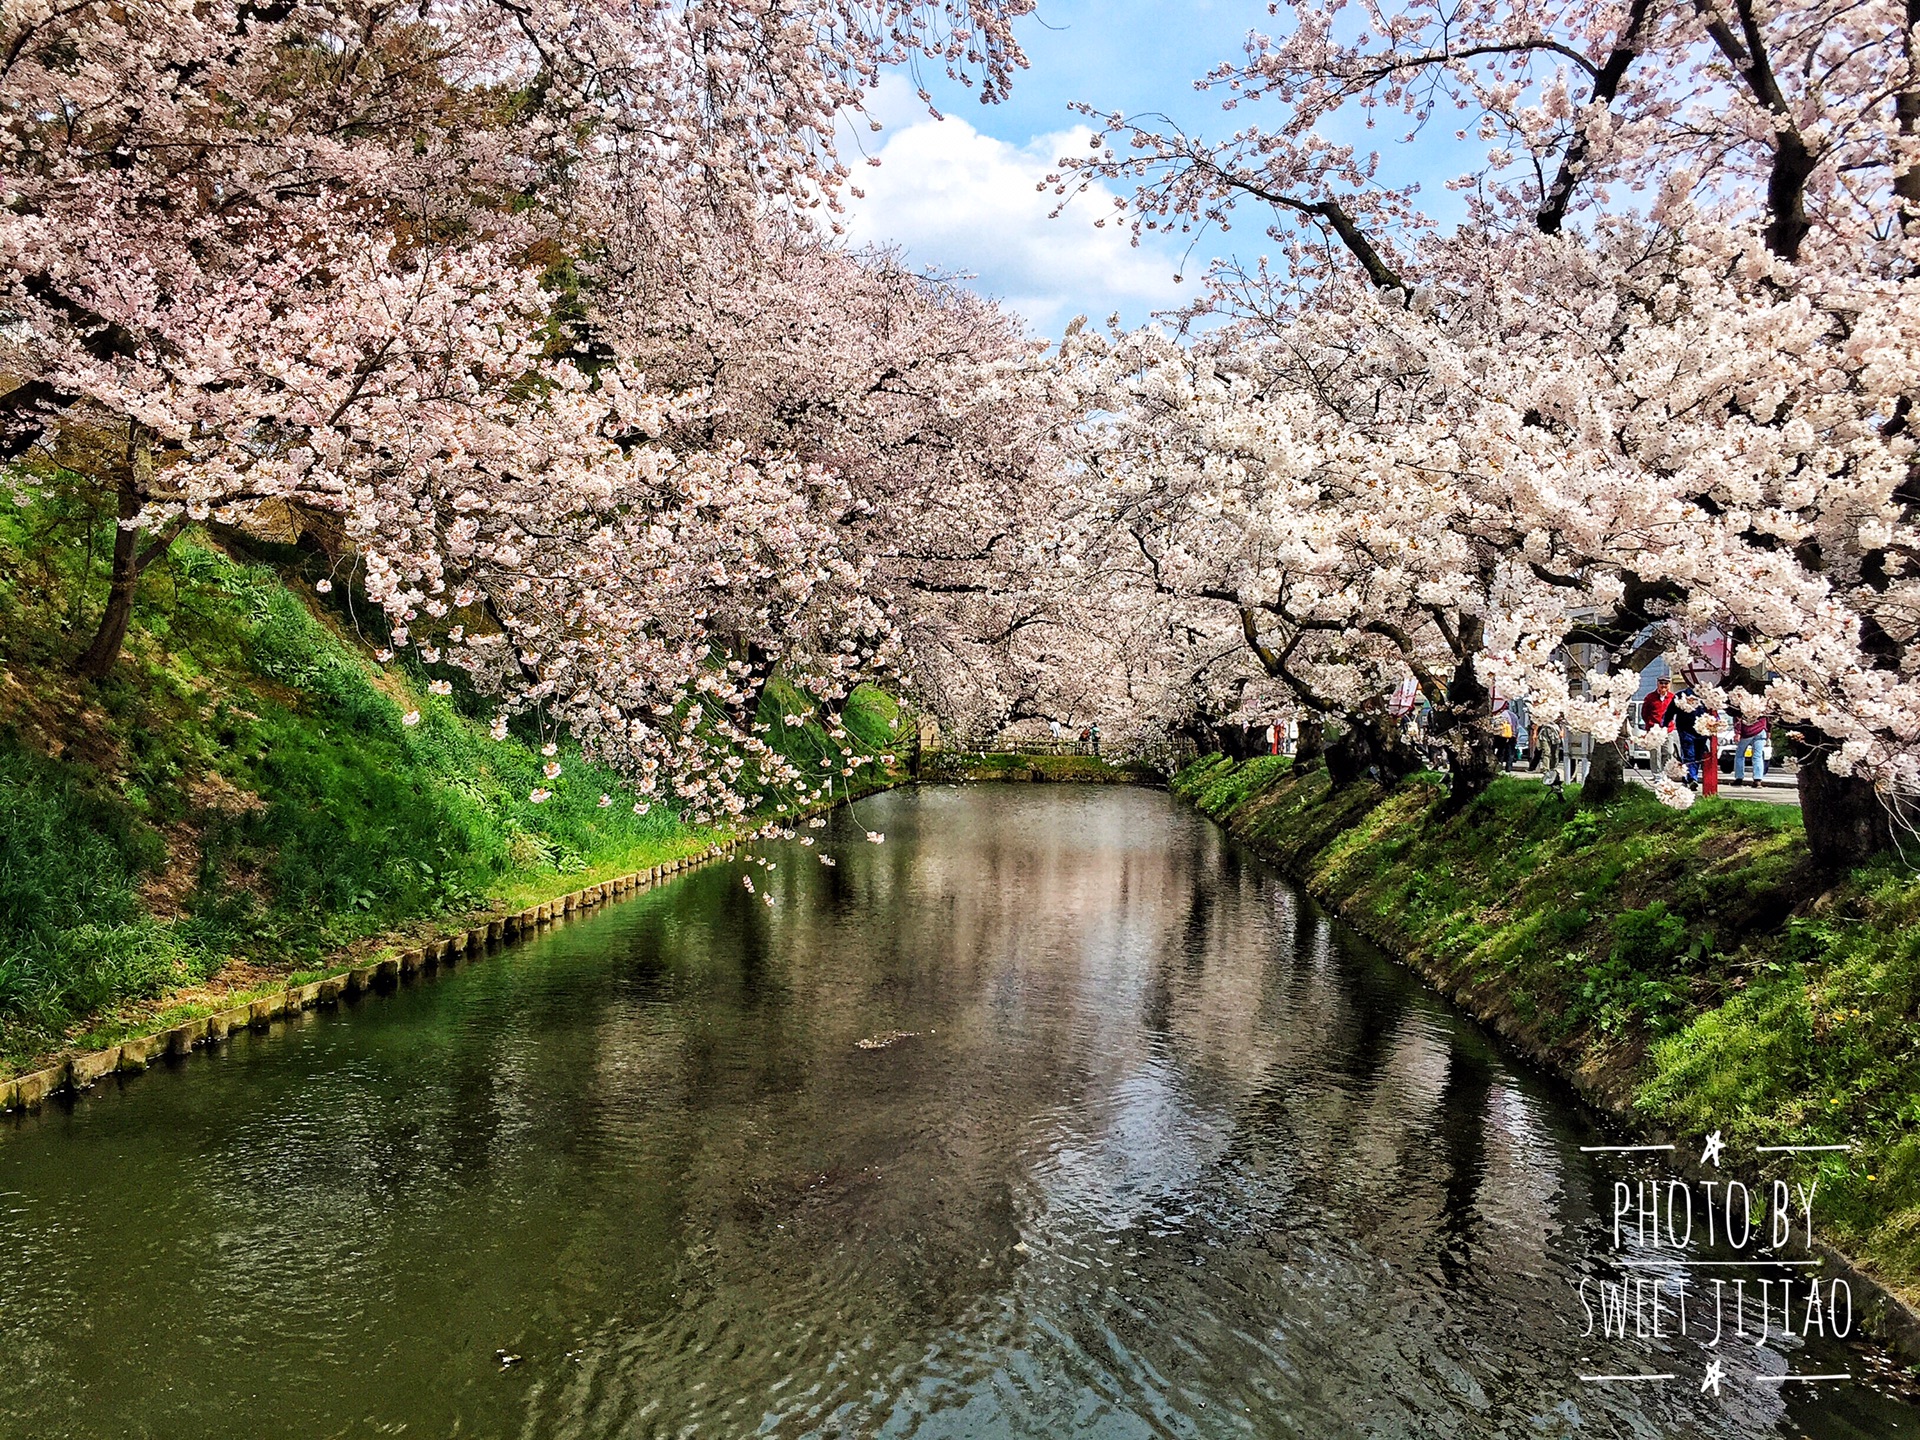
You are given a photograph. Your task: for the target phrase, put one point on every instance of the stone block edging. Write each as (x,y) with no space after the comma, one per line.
(79,1073)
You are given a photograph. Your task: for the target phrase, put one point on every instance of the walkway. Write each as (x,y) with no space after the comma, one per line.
(1779,788)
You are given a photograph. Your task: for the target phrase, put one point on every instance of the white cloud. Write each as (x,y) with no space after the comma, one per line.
(961,201)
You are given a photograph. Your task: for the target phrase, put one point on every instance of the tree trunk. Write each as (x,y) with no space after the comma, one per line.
(1199,735)
(1787,223)
(1467,723)
(130,561)
(107,640)
(1606,774)
(1906,107)
(1349,756)
(1474,765)
(1396,758)
(1371,751)
(1312,745)
(1848,821)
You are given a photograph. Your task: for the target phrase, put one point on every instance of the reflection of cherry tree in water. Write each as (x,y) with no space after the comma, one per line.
(1462,1115)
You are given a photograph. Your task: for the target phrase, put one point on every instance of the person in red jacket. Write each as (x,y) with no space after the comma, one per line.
(1656,714)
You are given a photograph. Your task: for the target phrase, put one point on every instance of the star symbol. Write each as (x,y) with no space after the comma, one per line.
(1716,1376)
(1711,1155)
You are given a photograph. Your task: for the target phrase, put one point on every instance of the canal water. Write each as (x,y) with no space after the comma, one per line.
(1057,1114)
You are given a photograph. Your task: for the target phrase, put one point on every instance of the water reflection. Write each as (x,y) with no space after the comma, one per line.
(1164,1152)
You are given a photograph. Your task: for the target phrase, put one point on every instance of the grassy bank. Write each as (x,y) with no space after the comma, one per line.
(1688,969)
(240,798)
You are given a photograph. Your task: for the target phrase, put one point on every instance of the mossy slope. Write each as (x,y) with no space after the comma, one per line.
(240,796)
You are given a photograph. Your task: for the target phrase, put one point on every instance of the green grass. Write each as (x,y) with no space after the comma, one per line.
(1691,959)
(74,934)
(242,789)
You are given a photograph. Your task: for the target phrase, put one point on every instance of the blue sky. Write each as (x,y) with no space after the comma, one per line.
(958,194)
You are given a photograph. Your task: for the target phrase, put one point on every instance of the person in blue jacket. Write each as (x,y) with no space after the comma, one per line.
(1688,707)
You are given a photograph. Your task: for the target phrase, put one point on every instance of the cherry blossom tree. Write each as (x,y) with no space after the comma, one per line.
(209,209)
(931,405)
(1654,384)
(336,260)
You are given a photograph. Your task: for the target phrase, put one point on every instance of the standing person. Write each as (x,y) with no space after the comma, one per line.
(1657,718)
(1685,712)
(1054,727)
(1556,744)
(1093,731)
(1750,739)
(1503,733)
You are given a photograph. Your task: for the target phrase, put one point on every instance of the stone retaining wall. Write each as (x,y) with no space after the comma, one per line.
(82,1072)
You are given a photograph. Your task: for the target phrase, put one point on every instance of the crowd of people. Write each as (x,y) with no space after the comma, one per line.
(1681,732)
(1087,742)
(1685,728)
